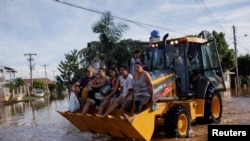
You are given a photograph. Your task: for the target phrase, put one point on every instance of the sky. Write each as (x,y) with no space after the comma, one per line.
(51,29)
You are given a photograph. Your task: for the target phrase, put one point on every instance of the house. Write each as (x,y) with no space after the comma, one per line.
(4,91)
(5,94)
(27,82)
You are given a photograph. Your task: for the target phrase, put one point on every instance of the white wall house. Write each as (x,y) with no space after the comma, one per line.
(4,91)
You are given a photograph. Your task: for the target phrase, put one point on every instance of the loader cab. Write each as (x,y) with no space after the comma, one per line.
(174,55)
(190,56)
(185,56)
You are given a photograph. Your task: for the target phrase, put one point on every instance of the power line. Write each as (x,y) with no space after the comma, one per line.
(179,19)
(212,17)
(127,20)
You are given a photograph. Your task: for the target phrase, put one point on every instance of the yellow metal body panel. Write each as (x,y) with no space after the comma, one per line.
(161,79)
(194,106)
(171,83)
(144,123)
(200,107)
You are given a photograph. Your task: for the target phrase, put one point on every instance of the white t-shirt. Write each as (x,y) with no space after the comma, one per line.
(126,84)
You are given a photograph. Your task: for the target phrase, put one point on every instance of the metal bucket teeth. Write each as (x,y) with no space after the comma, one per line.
(119,127)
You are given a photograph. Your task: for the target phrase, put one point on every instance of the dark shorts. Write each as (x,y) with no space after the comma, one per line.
(91,96)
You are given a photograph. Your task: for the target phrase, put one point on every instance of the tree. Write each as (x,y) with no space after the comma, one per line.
(124,50)
(38,84)
(60,87)
(109,33)
(52,87)
(244,65)
(89,55)
(69,69)
(19,82)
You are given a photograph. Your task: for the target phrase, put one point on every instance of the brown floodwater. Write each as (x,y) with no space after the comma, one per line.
(39,121)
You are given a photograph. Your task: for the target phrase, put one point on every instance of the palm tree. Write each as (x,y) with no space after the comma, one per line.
(88,56)
(109,33)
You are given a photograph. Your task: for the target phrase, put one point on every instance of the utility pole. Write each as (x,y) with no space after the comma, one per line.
(236,61)
(46,81)
(30,59)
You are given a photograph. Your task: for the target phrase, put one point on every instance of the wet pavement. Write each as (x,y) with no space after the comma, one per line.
(39,121)
(235,111)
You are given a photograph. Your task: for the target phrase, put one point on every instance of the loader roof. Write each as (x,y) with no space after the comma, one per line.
(188,39)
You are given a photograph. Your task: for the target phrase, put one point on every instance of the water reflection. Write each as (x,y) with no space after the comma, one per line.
(14,114)
(240,92)
(39,120)
(9,113)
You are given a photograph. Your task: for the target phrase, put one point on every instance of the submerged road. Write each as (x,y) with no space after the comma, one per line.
(39,121)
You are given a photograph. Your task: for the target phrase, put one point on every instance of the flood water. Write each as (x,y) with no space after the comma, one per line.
(39,121)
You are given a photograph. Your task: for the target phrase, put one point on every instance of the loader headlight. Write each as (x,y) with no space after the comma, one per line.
(154,45)
(172,42)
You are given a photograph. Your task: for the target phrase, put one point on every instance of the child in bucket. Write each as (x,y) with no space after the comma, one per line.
(125,80)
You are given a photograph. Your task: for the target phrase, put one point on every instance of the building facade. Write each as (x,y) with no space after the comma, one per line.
(4,91)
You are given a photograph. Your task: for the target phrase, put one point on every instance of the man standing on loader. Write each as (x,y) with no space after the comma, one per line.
(133,60)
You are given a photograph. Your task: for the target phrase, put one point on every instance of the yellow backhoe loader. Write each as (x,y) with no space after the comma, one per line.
(186,89)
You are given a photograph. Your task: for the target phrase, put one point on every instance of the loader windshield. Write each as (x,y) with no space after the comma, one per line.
(176,54)
(155,60)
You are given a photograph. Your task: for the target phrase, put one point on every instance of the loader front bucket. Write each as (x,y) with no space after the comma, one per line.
(139,127)
(119,127)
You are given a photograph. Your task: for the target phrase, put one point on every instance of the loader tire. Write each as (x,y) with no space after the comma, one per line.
(213,108)
(177,122)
